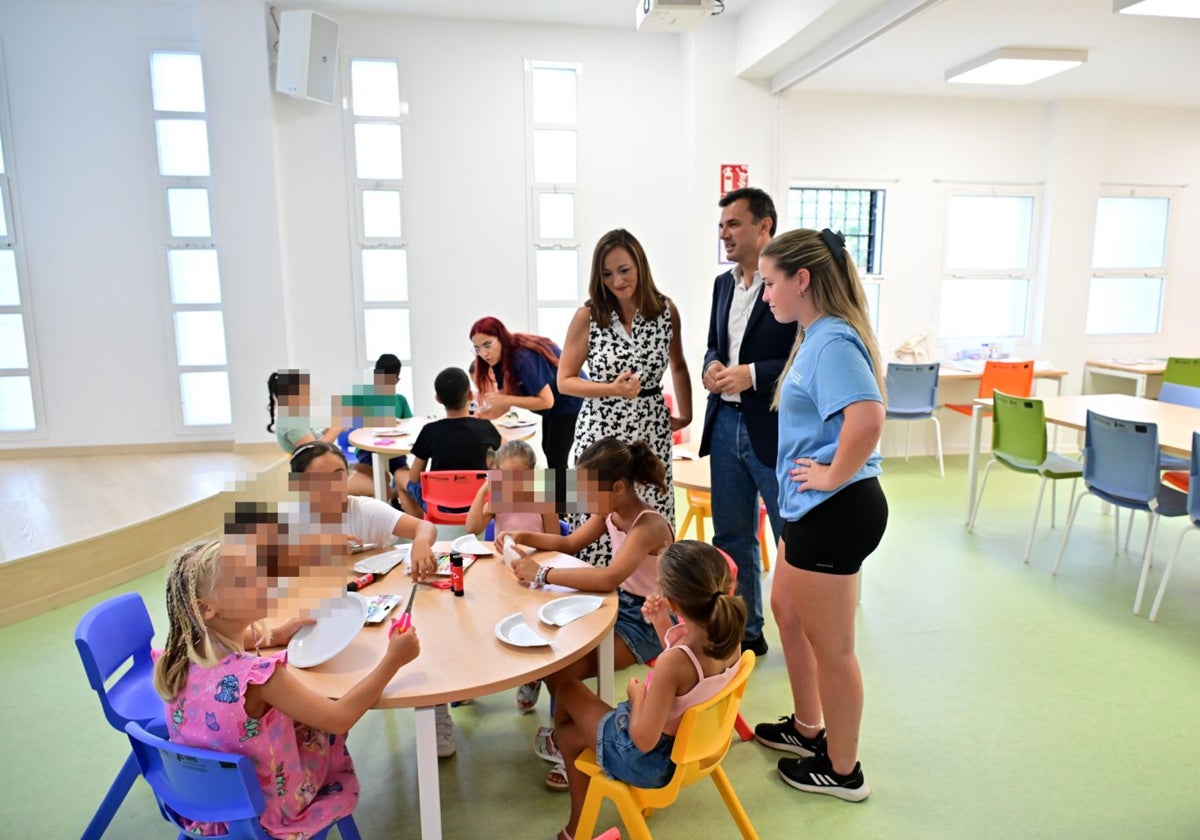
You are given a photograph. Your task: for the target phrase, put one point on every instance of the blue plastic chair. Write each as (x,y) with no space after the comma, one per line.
(110,634)
(206,786)
(489,533)
(1193,512)
(1019,443)
(912,395)
(1176,394)
(1120,466)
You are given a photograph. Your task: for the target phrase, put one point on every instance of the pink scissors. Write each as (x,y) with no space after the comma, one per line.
(404,622)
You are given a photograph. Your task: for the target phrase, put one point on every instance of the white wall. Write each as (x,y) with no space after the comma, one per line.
(659,114)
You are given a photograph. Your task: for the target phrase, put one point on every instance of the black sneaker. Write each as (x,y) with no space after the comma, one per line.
(816,775)
(784,736)
(758,644)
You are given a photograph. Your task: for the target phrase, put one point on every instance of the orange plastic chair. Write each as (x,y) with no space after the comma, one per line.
(700,508)
(1013,378)
(448,494)
(704,736)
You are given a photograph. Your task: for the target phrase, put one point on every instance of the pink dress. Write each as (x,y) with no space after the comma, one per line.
(306,775)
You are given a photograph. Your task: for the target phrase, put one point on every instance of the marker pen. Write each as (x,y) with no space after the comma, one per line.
(360,582)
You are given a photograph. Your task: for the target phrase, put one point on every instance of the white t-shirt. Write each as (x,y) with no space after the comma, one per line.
(366,517)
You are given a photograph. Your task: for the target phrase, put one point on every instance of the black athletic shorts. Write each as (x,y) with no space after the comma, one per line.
(838,534)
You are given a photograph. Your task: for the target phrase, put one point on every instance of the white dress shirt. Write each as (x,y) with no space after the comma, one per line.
(739,316)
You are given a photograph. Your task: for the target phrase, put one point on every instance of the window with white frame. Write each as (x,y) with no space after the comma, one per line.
(1129,258)
(552,106)
(858,214)
(987,265)
(17,381)
(192,264)
(381,244)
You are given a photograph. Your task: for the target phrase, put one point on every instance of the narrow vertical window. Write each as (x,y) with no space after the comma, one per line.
(17,380)
(552,105)
(376,138)
(190,256)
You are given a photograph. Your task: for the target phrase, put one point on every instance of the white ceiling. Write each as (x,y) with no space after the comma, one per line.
(1131,58)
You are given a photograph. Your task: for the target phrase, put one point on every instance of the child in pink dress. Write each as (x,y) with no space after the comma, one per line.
(221,698)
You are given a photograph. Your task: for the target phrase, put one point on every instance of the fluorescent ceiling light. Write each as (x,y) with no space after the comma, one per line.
(1015,66)
(1158,8)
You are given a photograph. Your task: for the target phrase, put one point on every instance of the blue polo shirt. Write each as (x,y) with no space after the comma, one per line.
(534,372)
(832,370)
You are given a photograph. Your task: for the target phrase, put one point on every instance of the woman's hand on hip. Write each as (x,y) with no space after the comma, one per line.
(809,475)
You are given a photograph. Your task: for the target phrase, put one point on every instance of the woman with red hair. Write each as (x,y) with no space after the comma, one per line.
(519,370)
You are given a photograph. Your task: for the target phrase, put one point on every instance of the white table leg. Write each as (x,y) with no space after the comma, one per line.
(379,465)
(604,669)
(973,457)
(429,794)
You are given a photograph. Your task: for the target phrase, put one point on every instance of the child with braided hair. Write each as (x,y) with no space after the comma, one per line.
(220,697)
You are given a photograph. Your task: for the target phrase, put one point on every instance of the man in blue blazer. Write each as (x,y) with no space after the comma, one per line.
(747,349)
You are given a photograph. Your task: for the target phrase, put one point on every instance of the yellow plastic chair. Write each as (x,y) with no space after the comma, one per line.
(705,733)
(700,508)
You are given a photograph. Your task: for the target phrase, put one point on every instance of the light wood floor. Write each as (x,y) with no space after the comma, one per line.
(50,502)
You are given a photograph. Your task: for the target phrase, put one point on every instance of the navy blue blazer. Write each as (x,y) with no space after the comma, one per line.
(767,343)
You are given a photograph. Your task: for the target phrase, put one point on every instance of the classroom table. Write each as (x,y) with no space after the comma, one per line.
(401,444)
(692,473)
(1175,423)
(461,657)
(1139,370)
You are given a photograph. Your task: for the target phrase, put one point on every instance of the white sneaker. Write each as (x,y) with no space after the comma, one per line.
(444,725)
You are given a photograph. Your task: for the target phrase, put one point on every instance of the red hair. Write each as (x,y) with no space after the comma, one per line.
(509,343)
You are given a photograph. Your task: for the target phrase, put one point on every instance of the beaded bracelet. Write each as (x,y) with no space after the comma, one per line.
(539,580)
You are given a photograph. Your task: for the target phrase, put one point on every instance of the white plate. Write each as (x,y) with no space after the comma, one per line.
(562,611)
(516,424)
(338,622)
(389,431)
(513,630)
(470,544)
(381,564)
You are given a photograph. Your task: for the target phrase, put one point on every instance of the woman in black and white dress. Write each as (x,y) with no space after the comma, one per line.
(628,335)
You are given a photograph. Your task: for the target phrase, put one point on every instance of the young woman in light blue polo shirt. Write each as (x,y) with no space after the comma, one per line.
(830,418)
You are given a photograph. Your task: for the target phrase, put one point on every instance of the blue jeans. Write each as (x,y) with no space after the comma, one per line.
(739,478)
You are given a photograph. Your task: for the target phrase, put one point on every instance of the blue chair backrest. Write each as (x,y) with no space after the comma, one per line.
(1193,503)
(1173,392)
(1120,457)
(109,635)
(200,785)
(912,388)
(489,533)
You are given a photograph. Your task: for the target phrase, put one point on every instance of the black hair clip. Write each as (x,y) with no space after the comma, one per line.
(836,243)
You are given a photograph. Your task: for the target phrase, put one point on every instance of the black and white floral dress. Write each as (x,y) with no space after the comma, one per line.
(611,352)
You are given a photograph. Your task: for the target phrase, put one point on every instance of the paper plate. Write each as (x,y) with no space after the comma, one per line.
(562,611)
(338,622)
(389,431)
(469,544)
(381,564)
(512,630)
(516,424)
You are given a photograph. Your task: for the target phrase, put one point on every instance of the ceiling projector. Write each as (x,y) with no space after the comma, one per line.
(671,15)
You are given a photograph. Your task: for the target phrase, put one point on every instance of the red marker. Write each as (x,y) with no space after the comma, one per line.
(360,582)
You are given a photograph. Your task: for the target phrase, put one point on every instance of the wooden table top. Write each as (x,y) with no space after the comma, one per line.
(947,371)
(1149,367)
(402,443)
(1175,422)
(461,657)
(692,474)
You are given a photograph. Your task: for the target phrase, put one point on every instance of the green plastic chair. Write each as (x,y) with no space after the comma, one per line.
(1182,371)
(1019,443)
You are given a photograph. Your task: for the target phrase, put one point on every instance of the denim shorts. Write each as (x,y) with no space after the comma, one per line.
(622,760)
(638,634)
(400,462)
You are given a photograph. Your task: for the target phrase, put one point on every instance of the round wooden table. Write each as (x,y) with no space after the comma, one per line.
(461,656)
(383,448)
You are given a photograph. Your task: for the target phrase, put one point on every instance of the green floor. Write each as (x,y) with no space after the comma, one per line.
(1001,702)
